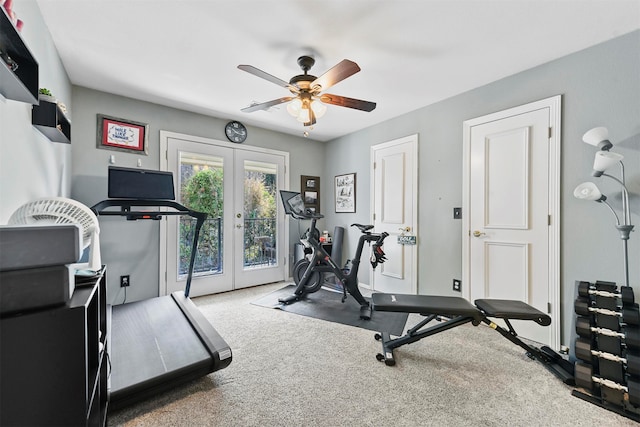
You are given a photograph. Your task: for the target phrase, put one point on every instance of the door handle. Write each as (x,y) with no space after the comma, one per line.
(238,225)
(478,233)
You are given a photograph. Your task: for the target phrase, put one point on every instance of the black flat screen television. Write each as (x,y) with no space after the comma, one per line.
(130,183)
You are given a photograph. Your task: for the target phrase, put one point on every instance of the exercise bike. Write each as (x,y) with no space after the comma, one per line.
(308,272)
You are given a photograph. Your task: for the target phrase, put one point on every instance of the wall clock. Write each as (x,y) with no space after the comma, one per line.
(236,132)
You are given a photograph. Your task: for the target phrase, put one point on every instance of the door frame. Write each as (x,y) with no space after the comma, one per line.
(413,141)
(164,164)
(554,104)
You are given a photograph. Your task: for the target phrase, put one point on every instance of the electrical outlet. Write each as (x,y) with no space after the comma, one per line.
(457,285)
(124,281)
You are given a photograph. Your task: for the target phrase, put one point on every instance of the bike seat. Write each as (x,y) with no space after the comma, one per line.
(363,228)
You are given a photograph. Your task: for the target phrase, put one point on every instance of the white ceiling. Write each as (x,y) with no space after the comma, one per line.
(185,53)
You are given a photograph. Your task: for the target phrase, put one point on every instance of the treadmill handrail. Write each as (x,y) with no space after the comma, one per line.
(125,205)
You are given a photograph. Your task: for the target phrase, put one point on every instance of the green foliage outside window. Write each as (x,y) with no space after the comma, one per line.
(203,191)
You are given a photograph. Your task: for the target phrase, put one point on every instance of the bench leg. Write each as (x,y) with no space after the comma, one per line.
(552,360)
(414,334)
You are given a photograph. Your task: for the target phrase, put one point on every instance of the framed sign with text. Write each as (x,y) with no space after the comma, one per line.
(122,134)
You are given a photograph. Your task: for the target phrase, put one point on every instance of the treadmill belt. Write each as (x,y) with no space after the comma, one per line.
(154,347)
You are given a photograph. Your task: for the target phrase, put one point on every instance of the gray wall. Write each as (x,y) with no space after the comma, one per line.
(600,86)
(132,247)
(31,166)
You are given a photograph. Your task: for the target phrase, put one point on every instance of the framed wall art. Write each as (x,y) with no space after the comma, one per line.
(310,191)
(345,192)
(122,134)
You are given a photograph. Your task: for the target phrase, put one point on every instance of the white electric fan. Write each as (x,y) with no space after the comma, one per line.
(60,210)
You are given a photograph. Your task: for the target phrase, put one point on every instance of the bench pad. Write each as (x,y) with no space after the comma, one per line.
(510,309)
(457,306)
(425,304)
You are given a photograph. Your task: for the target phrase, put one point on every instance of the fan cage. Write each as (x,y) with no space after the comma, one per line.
(61,210)
(58,210)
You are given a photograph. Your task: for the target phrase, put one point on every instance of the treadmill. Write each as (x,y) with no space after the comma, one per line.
(159,343)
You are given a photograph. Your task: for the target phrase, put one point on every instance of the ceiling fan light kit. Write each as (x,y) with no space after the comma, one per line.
(308,103)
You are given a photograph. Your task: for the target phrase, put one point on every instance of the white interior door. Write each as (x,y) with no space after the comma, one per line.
(394,201)
(244,236)
(509,234)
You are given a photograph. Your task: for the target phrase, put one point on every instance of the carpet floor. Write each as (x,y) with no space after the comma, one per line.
(291,370)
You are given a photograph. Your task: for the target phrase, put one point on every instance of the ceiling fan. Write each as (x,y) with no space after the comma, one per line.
(307,102)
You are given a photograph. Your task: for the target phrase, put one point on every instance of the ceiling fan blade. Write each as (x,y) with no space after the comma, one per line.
(343,101)
(263,75)
(266,105)
(338,73)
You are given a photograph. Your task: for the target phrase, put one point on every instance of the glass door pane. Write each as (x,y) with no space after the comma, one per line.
(260,213)
(201,188)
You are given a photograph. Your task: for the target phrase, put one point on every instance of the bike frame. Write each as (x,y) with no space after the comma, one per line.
(321,261)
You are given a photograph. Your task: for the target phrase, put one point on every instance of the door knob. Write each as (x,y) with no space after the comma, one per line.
(478,233)
(238,225)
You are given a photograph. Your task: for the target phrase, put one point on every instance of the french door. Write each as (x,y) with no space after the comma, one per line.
(242,241)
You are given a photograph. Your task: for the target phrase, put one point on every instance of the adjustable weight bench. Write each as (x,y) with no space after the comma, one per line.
(451,312)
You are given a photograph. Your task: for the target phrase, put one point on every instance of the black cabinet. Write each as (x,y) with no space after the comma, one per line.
(53,362)
(49,119)
(18,67)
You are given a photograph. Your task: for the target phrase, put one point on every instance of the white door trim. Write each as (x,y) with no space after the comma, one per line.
(413,139)
(164,142)
(554,106)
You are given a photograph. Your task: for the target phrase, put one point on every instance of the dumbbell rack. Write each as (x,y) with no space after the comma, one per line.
(607,347)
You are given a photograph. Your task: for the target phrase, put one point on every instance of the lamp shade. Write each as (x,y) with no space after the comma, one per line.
(294,107)
(598,137)
(318,108)
(304,116)
(588,191)
(604,160)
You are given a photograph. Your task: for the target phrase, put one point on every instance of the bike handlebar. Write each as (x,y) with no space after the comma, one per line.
(377,254)
(307,215)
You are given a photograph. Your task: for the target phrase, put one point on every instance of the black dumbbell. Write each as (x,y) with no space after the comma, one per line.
(585,379)
(585,352)
(631,335)
(629,315)
(585,289)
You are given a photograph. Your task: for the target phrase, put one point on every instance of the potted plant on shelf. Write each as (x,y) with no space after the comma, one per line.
(45,94)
